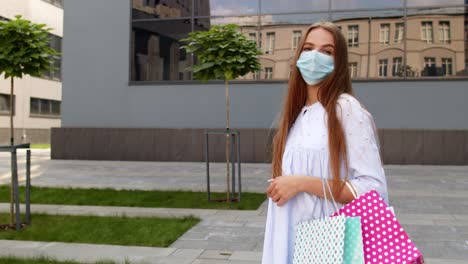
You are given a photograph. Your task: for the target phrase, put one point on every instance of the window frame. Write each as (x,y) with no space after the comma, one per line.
(397,65)
(384,34)
(296,39)
(270,42)
(383,68)
(7,112)
(353,69)
(268,73)
(353,36)
(444,63)
(425,30)
(444,32)
(40,113)
(399,32)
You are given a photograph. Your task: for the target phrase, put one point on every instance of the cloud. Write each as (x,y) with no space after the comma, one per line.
(241,21)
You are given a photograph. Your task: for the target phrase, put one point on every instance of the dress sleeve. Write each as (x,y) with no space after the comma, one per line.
(365,169)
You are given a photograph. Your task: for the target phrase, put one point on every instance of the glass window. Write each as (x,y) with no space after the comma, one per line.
(225,7)
(34,106)
(399,32)
(384,35)
(426,31)
(429,66)
(444,31)
(364,4)
(292,6)
(447,66)
(397,68)
(144,9)
(383,66)
(44,107)
(55,42)
(296,38)
(253,36)
(353,66)
(353,36)
(268,73)
(270,43)
(5,106)
(156,53)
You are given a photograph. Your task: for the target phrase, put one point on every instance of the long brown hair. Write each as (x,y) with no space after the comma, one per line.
(331,88)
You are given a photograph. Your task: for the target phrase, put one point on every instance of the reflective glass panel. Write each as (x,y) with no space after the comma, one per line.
(225,7)
(293,6)
(143,9)
(435,2)
(365,4)
(156,53)
(437,42)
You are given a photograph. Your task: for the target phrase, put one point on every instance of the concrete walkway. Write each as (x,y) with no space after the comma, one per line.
(431,202)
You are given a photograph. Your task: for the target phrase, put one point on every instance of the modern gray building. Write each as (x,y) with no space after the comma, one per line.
(126,95)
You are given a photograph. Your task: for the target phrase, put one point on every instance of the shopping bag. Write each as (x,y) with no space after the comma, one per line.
(320,241)
(384,240)
(353,252)
(329,240)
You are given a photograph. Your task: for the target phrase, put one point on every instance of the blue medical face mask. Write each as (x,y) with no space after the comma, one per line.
(314,66)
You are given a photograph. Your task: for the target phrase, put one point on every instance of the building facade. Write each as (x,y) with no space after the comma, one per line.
(37,101)
(127,95)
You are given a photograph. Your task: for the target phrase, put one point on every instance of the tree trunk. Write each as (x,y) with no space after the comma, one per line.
(228,148)
(12,142)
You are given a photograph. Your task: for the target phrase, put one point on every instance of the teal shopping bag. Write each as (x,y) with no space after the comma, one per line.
(353,247)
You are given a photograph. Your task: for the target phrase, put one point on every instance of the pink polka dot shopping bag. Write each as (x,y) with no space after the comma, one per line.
(384,240)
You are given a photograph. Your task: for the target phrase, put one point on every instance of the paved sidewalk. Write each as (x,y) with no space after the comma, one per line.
(430,201)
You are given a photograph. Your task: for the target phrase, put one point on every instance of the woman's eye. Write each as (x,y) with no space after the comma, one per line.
(328,52)
(307,49)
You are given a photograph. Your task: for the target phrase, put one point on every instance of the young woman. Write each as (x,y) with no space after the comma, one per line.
(324,134)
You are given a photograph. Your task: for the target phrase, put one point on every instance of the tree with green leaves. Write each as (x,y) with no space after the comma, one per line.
(24,50)
(223,53)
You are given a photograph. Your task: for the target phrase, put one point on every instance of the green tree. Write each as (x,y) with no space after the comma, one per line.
(24,50)
(223,53)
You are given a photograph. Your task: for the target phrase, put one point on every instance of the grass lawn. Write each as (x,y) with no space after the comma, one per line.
(40,146)
(134,198)
(12,260)
(135,231)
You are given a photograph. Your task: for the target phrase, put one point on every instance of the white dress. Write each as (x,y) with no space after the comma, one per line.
(307,153)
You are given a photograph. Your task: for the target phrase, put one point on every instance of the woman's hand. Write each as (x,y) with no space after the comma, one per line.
(283,188)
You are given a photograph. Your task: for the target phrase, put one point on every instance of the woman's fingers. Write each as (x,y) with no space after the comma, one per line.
(276,198)
(281,202)
(271,191)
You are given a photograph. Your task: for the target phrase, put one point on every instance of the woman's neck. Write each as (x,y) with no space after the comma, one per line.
(312,91)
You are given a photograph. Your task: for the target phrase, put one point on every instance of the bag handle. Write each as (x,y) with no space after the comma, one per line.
(325,182)
(352,189)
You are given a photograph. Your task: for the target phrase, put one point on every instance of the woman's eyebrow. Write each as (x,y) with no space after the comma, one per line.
(324,46)
(329,45)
